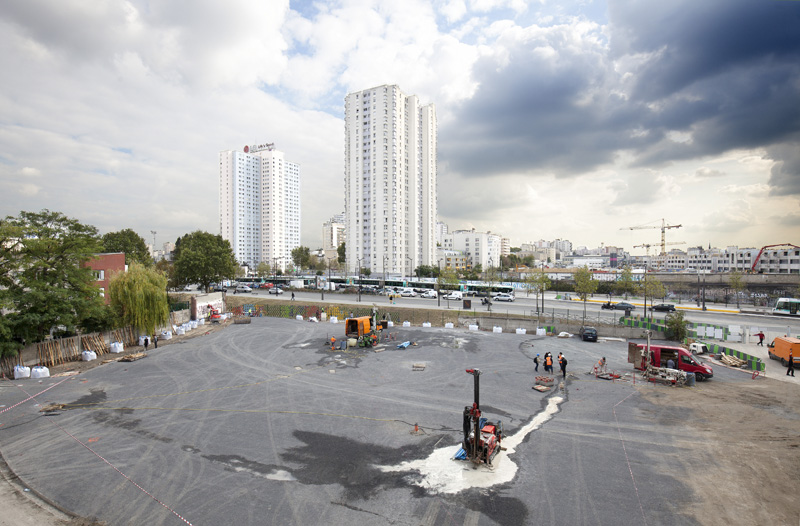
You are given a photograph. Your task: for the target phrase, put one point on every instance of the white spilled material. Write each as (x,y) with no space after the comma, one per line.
(448,325)
(440,474)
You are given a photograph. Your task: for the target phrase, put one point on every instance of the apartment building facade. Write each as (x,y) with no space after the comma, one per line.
(259,205)
(390,181)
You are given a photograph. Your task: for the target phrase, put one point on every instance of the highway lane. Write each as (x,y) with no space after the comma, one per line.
(526,306)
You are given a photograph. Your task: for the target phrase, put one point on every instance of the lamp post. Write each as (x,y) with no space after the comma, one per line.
(410,265)
(358,261)
(438,287)
(330,260)
(275,272)
(385,258)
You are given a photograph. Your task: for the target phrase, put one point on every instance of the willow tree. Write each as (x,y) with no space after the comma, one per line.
(140,297)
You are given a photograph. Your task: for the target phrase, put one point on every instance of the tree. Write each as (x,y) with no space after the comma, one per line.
(342,252)
(539,282)
(48,287)
(447,280)
(676,326)
(736,282)
(139,296)
(168,269)
(301,256)
(585,285)
(263,269)
(204,258)
(366,271)
(625,283)
(129,242)
(652,288)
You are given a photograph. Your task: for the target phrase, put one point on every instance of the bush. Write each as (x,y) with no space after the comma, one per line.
(677,327)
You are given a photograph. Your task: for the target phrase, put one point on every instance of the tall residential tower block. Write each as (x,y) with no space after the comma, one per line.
(390,181)
(259,205)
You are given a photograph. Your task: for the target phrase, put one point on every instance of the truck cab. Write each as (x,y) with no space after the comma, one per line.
(660,354)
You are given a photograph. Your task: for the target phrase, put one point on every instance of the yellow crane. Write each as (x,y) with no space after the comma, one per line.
(647,246)
(664,226)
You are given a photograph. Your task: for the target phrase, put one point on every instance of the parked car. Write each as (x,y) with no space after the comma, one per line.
(588,334)
(218,288)
(503,296)
(242,289)
(265,286)
(275,290)
(618,306)
(663,307)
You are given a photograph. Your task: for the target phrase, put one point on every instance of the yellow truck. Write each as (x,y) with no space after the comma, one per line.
(781,346)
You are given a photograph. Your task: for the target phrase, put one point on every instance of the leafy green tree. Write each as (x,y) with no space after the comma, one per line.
(263,269)
(301,256)
(447,280)
(625,284)
(342,252)
(204,258)
(736,282)
(539,282)
(366,271)
(129,242)
(585,284)
(652,288)
(677,326)
(140,298)
(47,285)
(168,269)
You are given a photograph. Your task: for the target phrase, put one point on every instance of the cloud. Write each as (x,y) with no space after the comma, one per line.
(785,174)
(705,173)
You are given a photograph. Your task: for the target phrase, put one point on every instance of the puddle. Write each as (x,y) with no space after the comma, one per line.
(440,474)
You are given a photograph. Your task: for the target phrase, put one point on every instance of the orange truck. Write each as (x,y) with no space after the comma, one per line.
(780,347)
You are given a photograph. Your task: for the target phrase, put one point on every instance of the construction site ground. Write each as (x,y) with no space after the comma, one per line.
(264,424)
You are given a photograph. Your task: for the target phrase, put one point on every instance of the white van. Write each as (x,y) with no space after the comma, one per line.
(454,295)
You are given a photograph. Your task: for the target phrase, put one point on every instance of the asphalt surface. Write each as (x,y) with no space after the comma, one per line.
(263,424)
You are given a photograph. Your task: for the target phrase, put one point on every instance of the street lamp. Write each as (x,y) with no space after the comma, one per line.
(385,258)
(358,260)
(438,286)
(410,266)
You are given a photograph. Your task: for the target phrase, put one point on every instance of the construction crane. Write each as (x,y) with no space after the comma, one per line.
(664,226)
(647,246)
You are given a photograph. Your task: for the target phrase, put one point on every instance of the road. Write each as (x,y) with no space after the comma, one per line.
(526,306)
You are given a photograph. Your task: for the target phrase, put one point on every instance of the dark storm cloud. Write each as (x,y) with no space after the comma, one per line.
(723,74)
(541,112)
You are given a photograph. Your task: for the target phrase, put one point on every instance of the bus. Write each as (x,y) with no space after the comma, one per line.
(787,307)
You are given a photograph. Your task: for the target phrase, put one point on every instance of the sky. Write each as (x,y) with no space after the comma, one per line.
(571,119)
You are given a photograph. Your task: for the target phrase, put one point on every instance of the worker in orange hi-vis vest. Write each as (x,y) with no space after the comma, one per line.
(548,363)
(601,364)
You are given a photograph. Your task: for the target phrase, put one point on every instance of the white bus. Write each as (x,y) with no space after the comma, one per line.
(787,307)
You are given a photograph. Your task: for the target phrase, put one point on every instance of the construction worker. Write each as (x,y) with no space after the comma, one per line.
(562,362)
(790,369)
(601,365)
(536,363)
(333,343)
(548,363)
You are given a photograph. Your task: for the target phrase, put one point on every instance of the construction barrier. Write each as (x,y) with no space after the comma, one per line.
(753,362)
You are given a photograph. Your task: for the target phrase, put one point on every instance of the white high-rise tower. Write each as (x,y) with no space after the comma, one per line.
(259,205)
(390,181)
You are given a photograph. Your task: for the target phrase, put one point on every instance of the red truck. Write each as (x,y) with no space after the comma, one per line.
(683,359)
